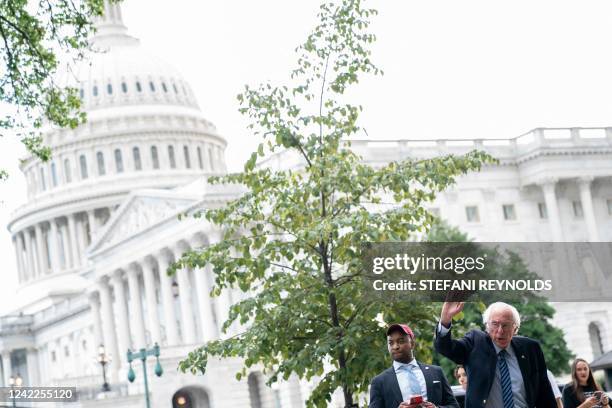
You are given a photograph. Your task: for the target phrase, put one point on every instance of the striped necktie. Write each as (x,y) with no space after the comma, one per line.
(506,382)
(415,386)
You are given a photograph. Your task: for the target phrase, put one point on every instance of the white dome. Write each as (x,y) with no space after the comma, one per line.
(121,72)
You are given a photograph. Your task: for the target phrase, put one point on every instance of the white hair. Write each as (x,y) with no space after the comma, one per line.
(502,306)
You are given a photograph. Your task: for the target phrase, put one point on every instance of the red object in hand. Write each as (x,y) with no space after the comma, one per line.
(416,400)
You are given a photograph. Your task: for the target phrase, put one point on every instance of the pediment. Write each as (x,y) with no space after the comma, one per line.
(140,212)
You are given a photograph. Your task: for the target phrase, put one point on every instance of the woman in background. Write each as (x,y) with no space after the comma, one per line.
(583,391)
(461,376)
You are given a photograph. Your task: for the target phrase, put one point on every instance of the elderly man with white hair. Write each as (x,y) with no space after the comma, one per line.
(503,370)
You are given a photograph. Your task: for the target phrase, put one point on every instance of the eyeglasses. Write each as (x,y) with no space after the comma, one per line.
(504,326)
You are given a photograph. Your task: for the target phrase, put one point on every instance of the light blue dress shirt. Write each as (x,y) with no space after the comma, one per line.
(404,381)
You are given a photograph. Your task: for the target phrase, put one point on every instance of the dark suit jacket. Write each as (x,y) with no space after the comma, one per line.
(385,391)
(477,353)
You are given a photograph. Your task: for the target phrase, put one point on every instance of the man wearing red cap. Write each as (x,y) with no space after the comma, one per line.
(408,383)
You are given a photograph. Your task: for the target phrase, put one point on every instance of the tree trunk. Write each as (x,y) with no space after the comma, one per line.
(333,311)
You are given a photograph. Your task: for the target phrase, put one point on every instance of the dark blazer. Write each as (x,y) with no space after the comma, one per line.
(385,391)
(477,353)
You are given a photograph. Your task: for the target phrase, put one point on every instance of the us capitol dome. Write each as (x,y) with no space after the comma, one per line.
(100,228)
(144,130)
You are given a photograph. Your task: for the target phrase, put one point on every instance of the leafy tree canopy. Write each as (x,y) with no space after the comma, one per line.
(292,241)
(35,36)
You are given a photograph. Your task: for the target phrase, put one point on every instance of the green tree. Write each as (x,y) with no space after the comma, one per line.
(293,240)
(535,311)
(35,36)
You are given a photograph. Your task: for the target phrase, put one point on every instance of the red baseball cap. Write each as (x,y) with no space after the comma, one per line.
(402,327)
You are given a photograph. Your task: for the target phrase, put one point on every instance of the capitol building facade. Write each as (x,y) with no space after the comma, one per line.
(101,227)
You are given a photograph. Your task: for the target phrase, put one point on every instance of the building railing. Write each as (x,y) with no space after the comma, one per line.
(16,324)
(504,149)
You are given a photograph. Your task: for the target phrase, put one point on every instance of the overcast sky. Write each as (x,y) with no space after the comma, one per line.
(453,69)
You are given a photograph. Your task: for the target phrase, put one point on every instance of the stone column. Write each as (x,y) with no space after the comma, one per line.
(42,364)
(179,156)
(110,339)
(148,276)
(21,248)
(72,237)
(121,313)
(586,199)
(42,258)
(128,159)
(31,271)
(185,299)
(94,303)
(54,249)
(6,366)
(207,322)
(33,370)
(136,316)
(66,246)
(550,197)
(91,220)
(167,300)
(18,257)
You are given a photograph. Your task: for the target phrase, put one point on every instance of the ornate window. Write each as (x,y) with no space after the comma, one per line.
(471,213)
(577,207)
(542,211)
(175,88)
(164,87)
(95,90)
(109,89)
(137,162)
(211,160)
(254,390)
(83,163)
(118,161)
(154,157)
(187,159)
(124,87)
(595,336)
(67,171)
(509,212)
(43,183)
(100,160)
(171,157)
(152,86)
(53,174)
(200,161)
(138,86)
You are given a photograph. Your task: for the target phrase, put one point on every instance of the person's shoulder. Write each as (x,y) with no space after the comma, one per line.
(430,367)
(526,341)
(380,377)
(567,389)
(476,334)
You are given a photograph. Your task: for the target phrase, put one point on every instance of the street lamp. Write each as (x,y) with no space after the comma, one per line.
(15,382)
(142,355)
(103,360)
